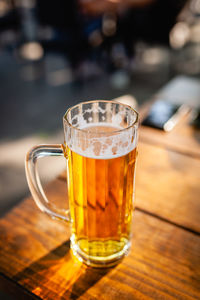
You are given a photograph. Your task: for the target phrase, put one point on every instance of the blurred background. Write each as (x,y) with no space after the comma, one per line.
(54,54)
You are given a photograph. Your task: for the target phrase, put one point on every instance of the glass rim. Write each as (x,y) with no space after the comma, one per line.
(65,119)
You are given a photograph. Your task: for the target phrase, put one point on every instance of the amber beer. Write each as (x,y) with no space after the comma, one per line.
(101,201)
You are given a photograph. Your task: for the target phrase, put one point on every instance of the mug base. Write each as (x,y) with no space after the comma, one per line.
(99,261)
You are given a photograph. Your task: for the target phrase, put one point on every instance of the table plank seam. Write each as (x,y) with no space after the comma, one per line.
(151,283)
(185,228)
(170,148)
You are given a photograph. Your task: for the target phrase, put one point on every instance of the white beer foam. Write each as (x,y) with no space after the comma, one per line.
(112,144)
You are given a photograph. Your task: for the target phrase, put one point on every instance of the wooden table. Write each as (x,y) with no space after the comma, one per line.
(164,262)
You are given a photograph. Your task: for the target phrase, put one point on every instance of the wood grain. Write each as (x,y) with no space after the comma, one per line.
(27,234)
(164,262)
(167,185)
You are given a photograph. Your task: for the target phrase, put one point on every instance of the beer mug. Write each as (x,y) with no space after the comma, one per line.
(100,139)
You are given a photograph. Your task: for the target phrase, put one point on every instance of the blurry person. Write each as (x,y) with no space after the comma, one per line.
(88,29)
(63,20)
(148,20)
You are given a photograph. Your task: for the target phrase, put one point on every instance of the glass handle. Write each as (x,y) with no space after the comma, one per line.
(34,180)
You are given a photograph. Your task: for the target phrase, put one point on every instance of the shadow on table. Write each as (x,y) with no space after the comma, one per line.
(59,275)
